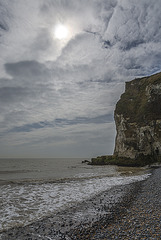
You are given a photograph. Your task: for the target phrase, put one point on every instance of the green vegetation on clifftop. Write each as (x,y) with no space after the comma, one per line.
(135,103)
(141,161)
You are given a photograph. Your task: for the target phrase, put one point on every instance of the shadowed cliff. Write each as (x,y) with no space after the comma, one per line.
(138,118)
(138,124)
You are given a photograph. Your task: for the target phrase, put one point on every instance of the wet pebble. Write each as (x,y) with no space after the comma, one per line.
(124,212)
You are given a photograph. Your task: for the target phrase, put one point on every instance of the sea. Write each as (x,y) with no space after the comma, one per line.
(32,189)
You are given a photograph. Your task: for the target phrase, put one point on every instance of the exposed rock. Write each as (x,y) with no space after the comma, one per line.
(85,161)
(138,119)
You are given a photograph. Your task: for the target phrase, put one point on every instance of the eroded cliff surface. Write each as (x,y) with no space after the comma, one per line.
(138,118)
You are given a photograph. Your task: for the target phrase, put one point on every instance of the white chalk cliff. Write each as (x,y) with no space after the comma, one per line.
(138,118)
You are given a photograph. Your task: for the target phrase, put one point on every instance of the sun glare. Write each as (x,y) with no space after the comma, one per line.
(61,32)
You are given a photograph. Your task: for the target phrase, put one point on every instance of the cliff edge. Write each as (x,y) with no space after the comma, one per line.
(138,123)
(138,119)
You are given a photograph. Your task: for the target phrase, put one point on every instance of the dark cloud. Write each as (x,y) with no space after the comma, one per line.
(133,44)
(30,127)
(3,27)
(27,69)
(62,122)
(12,94)
(62,92)
(4,17)
(85,120)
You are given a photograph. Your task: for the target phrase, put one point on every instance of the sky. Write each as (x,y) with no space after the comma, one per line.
(63,67)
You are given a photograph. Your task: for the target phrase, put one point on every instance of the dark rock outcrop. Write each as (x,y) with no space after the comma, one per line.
(138,119)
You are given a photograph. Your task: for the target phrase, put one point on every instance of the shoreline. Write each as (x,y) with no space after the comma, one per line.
(139,219)
(81,221)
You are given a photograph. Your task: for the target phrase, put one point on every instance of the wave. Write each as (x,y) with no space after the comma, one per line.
(41,181)
(15,171)
(25,203)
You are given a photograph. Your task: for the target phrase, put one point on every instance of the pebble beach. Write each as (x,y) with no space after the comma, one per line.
(131,211)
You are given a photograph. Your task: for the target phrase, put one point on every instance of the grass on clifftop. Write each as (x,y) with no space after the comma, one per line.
(135,104)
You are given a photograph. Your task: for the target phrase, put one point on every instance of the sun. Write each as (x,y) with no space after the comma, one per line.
(61,32)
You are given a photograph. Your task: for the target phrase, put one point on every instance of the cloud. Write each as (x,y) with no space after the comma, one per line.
(12,94)
(134,23)
(71,140)
(3,27)
(63,93)
(27,70)
(63,122)
(4,15)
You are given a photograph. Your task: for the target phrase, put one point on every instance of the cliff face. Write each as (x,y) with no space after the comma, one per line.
(138,118)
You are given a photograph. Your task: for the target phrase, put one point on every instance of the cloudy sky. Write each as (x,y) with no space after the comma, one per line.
(63,67)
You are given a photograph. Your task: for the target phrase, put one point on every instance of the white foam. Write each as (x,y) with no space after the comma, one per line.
(22,204)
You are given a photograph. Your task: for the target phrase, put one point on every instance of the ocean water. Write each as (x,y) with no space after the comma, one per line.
(31,189)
